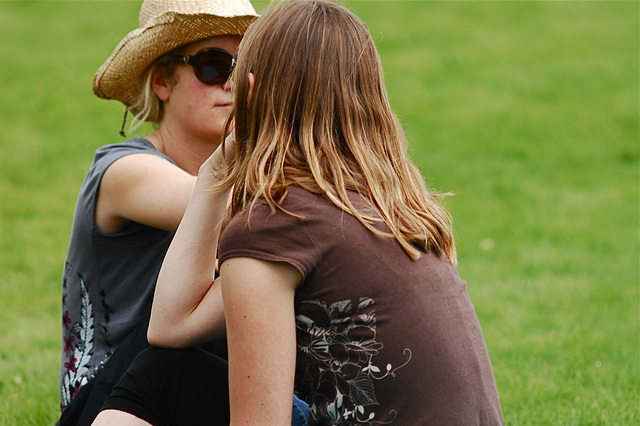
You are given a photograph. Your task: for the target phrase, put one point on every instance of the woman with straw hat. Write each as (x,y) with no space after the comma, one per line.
(171,71)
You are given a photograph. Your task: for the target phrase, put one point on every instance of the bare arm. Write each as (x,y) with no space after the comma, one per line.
(187,305)
(143,188)
(261,335)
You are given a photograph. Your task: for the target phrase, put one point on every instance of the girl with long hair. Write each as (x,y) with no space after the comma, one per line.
(337,277)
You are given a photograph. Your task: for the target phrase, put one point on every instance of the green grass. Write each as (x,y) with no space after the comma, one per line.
(527,110)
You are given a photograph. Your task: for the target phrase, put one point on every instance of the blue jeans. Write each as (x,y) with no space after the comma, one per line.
(300,413)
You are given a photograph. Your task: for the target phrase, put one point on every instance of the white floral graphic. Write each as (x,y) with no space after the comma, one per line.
(79,344)
(336,351)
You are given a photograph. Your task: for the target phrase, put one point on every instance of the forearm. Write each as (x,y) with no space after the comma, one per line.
(187,307)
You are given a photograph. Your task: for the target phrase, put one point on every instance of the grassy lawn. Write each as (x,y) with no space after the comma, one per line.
(527,110)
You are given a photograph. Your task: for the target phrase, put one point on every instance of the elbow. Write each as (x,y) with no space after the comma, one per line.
(156,338)
(162,337)
(163,334)
(175,334)
(176,338)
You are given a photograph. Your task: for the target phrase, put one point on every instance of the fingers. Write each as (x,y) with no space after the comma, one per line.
(221,157)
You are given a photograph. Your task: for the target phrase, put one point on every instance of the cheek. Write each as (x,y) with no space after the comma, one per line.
(197,103)
(206,95)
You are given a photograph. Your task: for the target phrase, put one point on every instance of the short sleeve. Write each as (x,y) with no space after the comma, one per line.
(275,237)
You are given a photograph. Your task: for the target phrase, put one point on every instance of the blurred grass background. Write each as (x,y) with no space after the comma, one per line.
(527,110)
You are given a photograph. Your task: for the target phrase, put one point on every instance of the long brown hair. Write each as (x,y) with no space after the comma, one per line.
(319,117)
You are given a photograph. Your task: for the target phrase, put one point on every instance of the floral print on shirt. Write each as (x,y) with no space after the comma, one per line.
(336,353)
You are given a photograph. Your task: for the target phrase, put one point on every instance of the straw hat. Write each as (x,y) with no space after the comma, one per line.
(164,26)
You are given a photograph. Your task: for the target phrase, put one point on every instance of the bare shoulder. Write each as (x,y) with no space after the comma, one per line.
(143,188)
(140,164)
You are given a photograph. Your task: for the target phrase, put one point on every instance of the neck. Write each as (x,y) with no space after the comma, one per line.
(186,150)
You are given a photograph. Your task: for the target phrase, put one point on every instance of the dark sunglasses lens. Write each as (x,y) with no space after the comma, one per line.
(213,67)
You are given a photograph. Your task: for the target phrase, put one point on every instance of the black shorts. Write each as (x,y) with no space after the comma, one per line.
(167,387)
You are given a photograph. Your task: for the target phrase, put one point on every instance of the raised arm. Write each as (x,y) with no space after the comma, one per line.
(187,305)
(261,336)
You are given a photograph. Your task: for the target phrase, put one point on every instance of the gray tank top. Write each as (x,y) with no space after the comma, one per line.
(108,279)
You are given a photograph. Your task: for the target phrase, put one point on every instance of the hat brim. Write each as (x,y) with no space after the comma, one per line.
(119,77)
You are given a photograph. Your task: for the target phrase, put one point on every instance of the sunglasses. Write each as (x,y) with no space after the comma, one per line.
(211,66)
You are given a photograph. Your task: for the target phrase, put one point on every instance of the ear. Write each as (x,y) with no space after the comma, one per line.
(252,83)
(161,86)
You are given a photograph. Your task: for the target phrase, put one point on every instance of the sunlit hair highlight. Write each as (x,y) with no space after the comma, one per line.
(148,107)
(319,117)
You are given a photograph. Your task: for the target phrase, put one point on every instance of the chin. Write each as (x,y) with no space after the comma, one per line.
(215,134)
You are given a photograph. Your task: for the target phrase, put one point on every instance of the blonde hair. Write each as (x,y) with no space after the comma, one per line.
(148,107)
(319,117)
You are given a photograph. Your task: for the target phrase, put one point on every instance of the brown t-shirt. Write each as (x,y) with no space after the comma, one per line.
(381,338)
